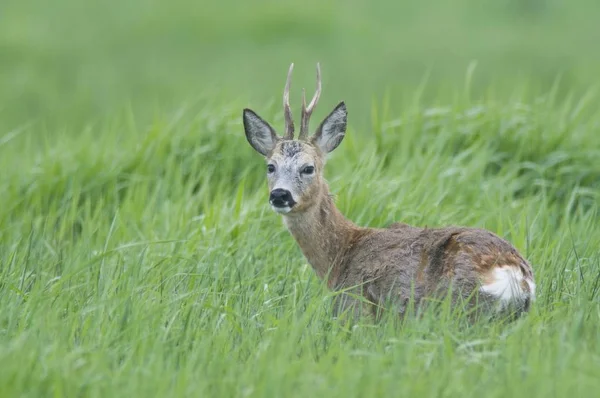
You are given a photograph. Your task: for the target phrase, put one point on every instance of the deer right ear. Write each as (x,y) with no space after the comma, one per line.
(259,133)
(332,130)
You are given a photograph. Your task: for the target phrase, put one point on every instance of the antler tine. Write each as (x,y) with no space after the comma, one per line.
(307,110)
(287,111)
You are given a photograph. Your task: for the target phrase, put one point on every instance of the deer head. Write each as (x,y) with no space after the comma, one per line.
(295,166)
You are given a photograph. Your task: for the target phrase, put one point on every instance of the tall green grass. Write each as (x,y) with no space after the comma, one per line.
(138,253)
(145,261)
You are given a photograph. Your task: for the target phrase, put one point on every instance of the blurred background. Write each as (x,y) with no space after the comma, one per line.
(67,63)
(135,230)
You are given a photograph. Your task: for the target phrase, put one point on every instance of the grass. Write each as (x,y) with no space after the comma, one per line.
(138,255)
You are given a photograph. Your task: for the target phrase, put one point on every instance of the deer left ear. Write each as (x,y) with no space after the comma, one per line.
(259,133)
(332,129)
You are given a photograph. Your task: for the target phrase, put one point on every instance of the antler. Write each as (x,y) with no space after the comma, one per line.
(289,121)
(307,110)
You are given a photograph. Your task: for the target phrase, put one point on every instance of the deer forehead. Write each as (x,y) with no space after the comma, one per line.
(295,152)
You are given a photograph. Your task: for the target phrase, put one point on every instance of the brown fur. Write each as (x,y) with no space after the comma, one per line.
(382,265)
(391,263)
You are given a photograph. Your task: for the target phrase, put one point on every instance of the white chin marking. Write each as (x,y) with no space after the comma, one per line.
(282,210)
(507,287)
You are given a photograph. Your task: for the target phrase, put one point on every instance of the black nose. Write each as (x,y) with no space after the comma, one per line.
(281,198)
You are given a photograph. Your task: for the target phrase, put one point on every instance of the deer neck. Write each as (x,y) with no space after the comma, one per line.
(324,236)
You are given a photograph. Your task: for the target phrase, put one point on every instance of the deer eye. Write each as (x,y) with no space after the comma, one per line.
(308,170)
(270,168)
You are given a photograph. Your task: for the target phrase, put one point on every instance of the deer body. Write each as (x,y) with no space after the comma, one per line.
(390,265)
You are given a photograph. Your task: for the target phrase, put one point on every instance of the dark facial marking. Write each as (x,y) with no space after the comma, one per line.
(289,149)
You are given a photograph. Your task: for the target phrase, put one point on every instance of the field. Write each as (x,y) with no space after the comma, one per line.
(139,256)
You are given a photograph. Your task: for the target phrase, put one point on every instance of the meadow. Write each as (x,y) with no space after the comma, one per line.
(138,253)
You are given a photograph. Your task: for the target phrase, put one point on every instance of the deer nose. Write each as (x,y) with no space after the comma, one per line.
(281,198)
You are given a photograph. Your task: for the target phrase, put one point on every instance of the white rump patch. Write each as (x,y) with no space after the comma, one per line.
(507,285)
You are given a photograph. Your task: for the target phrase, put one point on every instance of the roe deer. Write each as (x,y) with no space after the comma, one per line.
(374,266)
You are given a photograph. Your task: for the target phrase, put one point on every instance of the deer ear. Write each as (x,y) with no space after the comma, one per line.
(259,133)
(332,129)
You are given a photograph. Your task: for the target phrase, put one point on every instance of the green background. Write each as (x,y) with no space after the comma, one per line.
(138,253)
